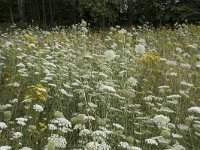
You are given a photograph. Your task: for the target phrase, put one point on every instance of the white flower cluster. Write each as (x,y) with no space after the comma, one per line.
(16,135)
(97,146)
(161,120)
(21,121)
(127,146)
(58,141)
(38,108)
(3,125)
(6,147)
(62,124)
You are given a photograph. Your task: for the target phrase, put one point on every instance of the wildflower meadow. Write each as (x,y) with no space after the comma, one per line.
(76,89)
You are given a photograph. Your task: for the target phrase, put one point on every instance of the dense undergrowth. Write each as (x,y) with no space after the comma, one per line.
(117,90)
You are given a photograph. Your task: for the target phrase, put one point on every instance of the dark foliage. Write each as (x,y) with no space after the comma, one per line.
(100,13)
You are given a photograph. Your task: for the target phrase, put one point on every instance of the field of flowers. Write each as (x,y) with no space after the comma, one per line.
(74,89)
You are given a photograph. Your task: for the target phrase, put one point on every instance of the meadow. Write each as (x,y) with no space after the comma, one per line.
(75,89)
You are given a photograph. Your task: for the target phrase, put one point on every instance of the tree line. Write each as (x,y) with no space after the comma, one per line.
(100,13)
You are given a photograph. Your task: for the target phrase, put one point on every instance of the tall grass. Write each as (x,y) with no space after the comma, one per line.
(79,90)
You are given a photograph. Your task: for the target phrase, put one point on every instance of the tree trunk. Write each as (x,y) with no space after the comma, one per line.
(51,13)
(38,12)
(44,14)
(11,12)
(21,8)
(130,13)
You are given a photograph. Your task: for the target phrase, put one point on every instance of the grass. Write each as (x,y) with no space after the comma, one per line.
(80,90)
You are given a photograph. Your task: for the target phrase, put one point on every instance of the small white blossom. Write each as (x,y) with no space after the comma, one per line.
(17,135)
(59,141)
(132,81)
(171,63)
(173,96)
(118,126)
(5,147)
(151,141)
(183,127)
(21,121)
(107,88)
(3,125)
(177,136)
(52,127)
(194,109)
(84,132)
(38,108)
(109,55)
(65,93)
(25,148)
(161,120)
(140,49)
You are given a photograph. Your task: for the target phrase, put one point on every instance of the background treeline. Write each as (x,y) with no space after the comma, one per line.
(100,13)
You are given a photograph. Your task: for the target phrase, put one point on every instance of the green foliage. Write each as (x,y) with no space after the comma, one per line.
(48,13)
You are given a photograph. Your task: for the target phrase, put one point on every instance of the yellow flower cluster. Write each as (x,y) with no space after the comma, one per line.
(42,126)
(149,58)
(39,92)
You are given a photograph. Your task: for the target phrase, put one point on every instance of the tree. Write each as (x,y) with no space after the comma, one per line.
(21,8)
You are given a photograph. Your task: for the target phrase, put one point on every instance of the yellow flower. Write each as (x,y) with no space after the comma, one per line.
(39,92)
(149,58)
(42,126)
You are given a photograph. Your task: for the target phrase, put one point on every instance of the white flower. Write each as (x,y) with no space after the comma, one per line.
(17,135)
(122,31)
(65,93)
(177,147)
(63,124)
(140,49)
(126,146)
(178,49)
(107,88)
(164,87)
(132,81)
(183,127)
(3,125)
(187,66)
(8,44)
(5,147)
(59,141)
(21,121)
(38,108)
(194,109)
(173,74)
(187,84)
(52,127)
(20,65)
(91,146)
(25,148)
(118,126)
(15,84)
(84,132)
(97,146)
(161,140)
(177,136)
(198,64)
(171,63)
(98,133)
(109,55)
(173,96)
(151,141)
(135,148)
(161,120)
